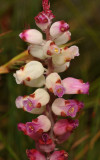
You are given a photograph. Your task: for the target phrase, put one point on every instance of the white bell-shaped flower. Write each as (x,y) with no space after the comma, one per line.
(31,71)
(32,36)
(66,55)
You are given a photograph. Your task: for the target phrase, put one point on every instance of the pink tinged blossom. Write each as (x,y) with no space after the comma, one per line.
(64,38)
(45,143)
(35,128)
(51,49)
(42,20)
(66,55)
(53,83)
(32,36)
(61,68)
(34,103)
(59,155)
(75,86)
(34,154)
(62,107)
(58,28)
(64,126)
(30,72)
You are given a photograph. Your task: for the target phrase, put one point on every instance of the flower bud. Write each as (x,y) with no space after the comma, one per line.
(42,21)
(34,103)
(32,36)
(35,128)
(59,155)
(65,125)
(53,83)
(62,107)
(34,154)
(45,143)
(58,28)
(75,86)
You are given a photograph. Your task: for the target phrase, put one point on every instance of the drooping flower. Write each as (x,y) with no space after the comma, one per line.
(34,103)
(35,128)
(45,143)
(62,107)
(31,74)
(34,154)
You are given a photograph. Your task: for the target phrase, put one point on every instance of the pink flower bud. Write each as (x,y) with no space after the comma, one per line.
(34,154)
(45,143)
(59,155)
(32,36)
(65,108)
(58,28)
(75,86)
(42,21)
(35,128)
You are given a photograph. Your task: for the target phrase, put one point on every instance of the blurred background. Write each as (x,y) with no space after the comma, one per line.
(84,19)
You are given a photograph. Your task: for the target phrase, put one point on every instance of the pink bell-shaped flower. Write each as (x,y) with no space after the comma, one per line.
(62,107)
(35,128)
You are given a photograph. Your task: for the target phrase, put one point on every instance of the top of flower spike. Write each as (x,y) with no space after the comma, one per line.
(46,5)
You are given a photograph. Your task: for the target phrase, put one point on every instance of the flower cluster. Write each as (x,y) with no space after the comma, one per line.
(51,58)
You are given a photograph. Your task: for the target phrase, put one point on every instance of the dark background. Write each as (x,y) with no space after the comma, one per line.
(84,19)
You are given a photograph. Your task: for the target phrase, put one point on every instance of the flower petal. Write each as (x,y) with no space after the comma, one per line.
(61,68)
(58,28)
(32,36)
(64,38)
(34,154)
(39,82)
(36,51)
(57,155)
(75,86)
